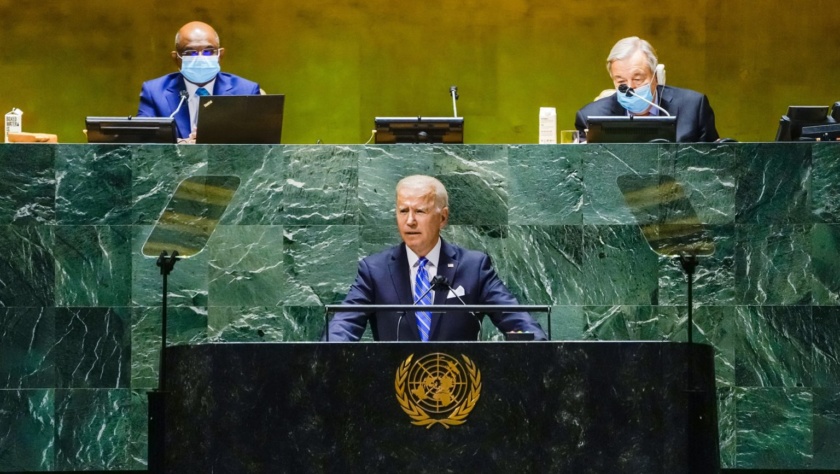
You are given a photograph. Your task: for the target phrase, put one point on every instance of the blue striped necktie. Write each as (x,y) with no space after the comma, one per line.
(423,296)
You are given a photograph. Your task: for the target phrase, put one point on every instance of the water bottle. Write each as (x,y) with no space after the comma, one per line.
(14,121)
(548,125)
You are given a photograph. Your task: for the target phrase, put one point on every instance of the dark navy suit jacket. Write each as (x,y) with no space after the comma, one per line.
(384,278)
(695,117)
(160,97)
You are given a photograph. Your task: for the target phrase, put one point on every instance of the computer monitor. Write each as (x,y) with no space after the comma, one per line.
(130,130)
(821,133)
(240,119)
(798,116)
(632,129)
(835,111)
(419,130)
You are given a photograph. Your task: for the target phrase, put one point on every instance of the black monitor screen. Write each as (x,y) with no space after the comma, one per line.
(821,133)
(419,130)
(798,116)
(130,130)
(631,129)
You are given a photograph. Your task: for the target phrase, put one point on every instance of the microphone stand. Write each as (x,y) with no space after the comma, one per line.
(157,398)
(453,91)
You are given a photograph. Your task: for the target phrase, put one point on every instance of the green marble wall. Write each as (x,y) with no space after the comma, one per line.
(80,325)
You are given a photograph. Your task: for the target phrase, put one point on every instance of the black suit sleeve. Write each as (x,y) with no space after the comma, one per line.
(706,120)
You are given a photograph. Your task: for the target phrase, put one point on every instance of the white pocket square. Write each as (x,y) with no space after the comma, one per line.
(456,292)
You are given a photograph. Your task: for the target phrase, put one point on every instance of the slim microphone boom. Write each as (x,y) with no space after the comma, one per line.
(436,283)
(624,89)
(453,91)
(184,96)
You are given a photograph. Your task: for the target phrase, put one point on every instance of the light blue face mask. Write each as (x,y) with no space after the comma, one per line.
(633,104)
(200,69)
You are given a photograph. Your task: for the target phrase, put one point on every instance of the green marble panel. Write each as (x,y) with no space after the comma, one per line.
(184,325)
(93,265)
(567,323)
(380,169)
(825,254)
(188,282)
(476,181)
(773,184)
(27,184)
(727,426)
(774,428)
(543,264)
(93,347)
(27,437)
(772,264)
(716,326)
(546,185)
(157,171)
(94,430)
(27,337)
(603,202)
(826,372)
(376,238)
(92,185)
(138,436)
(246,266)
(632,323)
(320,263)
(320,185)
(618,266)
(825,186)
(826,426)
(261,170)
(714,278)
(775,346)
(265,324)
(707,175)
(27,265)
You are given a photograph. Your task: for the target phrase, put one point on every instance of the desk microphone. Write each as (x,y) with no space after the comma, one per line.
(436,283)
(444,282)
(624,89)
(184,96)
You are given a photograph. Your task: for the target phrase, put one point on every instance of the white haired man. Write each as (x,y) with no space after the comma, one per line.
(632,62)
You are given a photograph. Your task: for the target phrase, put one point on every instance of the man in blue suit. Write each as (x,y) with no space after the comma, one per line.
(197,55)
(402,275)
(632,62)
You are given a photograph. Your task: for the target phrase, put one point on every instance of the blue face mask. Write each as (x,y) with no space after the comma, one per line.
(200,69)
(634,104)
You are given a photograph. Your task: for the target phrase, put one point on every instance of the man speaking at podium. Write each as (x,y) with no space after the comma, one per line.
(631,64)
(404,274)
(197,55)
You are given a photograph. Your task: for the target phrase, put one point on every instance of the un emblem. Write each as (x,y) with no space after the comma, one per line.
(437,388)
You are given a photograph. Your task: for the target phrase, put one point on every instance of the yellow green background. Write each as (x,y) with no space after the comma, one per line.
(341,63)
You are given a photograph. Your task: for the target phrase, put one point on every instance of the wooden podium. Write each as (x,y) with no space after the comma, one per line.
(577,407)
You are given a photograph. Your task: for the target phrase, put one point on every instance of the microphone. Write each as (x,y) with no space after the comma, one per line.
(184,96)
(444,282)
(624,89)
(436,283)
(453,91)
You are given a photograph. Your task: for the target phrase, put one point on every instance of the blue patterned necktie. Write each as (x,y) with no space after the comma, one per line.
(201,92)
(422,295)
